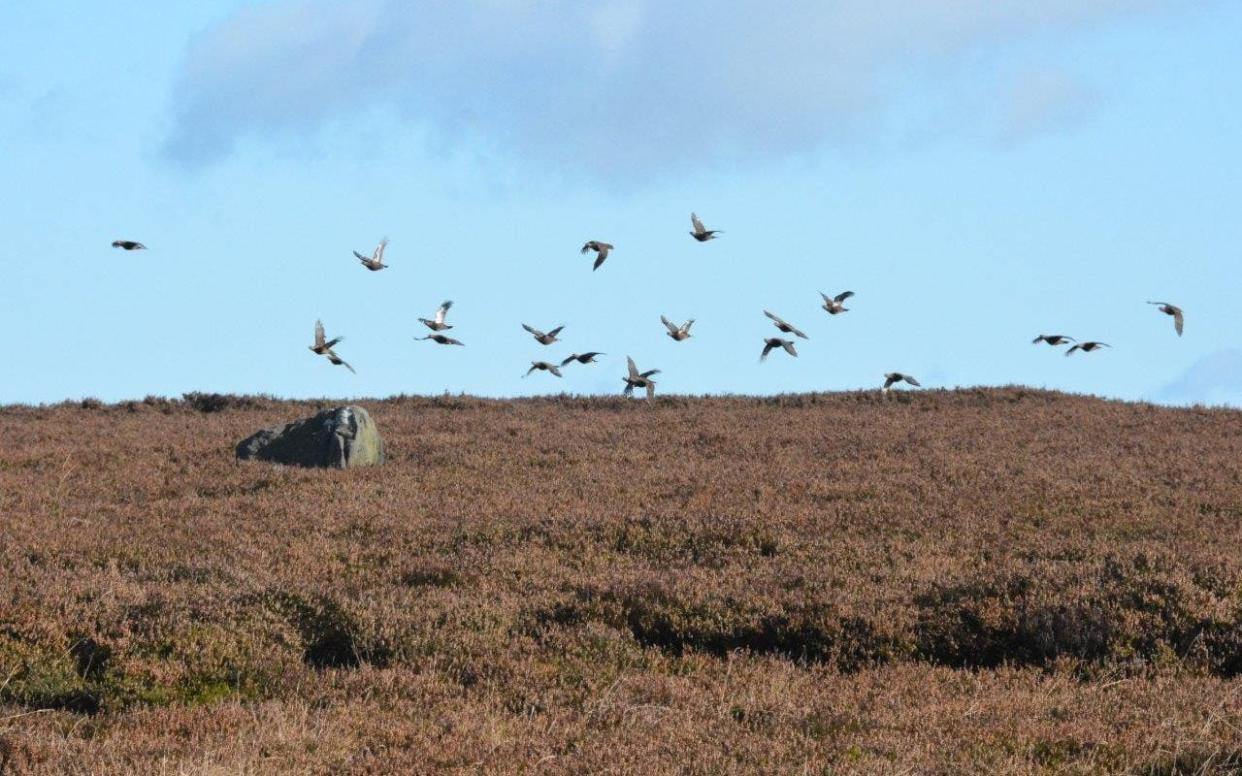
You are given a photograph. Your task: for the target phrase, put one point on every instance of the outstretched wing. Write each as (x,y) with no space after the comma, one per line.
(599,259)
(687,325)
(912,381)
(1178,320)
(649,373)
(335,359)
(672,328)
(379,250)
(841,297)
(319,335)
(554,370)
(633,368)
(889,379)
(767,348)
(779,321)
(789,348)
(797,331)
(533,367)
(443,311)
(650,391)
(555,331)
(587,247)
(536,332)
(566,362)
(697,224)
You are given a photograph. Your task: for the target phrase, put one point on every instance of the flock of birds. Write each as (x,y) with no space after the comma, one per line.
(833,305)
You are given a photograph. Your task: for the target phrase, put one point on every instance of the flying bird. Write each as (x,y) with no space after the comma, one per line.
(376,262)
(835,304)
(582,358)
(128,245)
(601,249)
(1087,347)
(544,366)
(323,347)
(438,324)
(441,339)
(1175,311)
(783,326)
(770,343)
(638,379)
(678,333)
(702,233)
(893,378)
(1053,339)
(540,337)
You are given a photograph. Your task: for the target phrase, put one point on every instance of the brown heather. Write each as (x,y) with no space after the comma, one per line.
(983,581)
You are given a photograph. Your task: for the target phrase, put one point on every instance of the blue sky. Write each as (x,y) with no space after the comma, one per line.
(978,172)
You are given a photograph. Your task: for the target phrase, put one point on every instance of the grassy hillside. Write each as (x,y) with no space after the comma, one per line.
(980,581)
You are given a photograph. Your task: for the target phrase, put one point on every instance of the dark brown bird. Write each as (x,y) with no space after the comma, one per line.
(1053,339)
(582,358)
(323,347)
(441,339)
(128,245)
(893,378)
(678,333)
(376,262)
(776,342)
(601,249)
(834,304)
(702,233)
(544,366)
(638,379)
(1175,311)
(1087,347)
(785,327)
(540,337)
(438,324)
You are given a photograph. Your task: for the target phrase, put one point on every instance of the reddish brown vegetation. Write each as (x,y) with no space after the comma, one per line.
(979,581)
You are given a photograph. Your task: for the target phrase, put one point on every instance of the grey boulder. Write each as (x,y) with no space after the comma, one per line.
(340,438)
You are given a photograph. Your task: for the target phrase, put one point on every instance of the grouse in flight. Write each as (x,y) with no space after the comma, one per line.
(438,324)
(678,333)
(702,233)
(323,347)
(601,249)
(835,304)
(637,379)
(771,343)
(1172,309)
(376,262)
(542,338)
(893,378)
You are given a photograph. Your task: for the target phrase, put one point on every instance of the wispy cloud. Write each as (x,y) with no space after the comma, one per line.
(1213,380)
(609,87)
(1036,101)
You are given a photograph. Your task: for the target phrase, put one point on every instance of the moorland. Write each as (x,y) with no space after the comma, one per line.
(976,581)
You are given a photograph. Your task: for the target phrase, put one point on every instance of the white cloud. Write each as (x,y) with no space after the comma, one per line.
(611,87)
(1036,101)
(1212,380)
